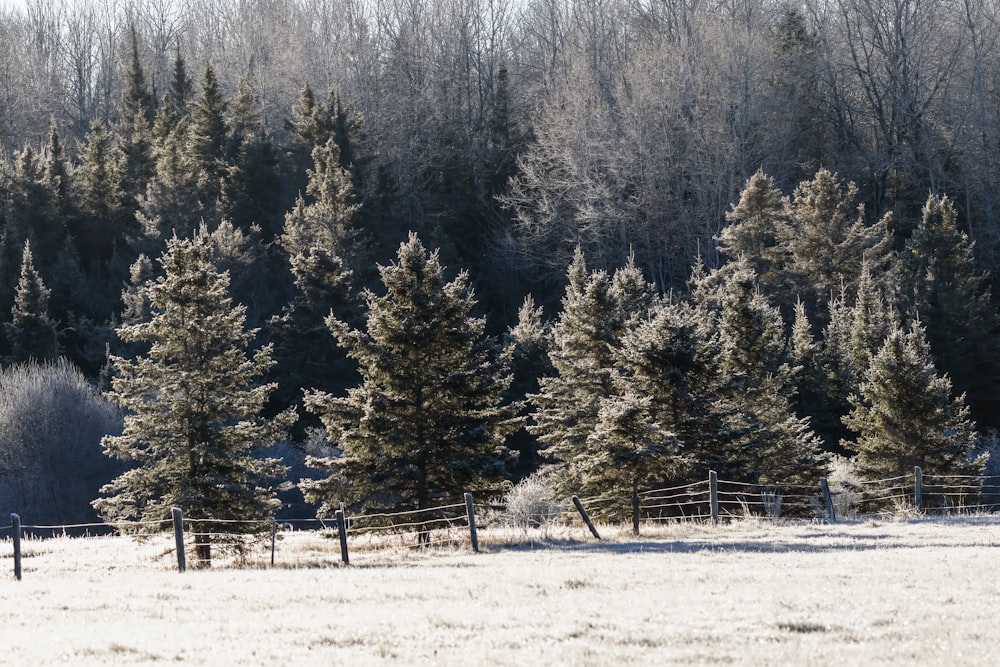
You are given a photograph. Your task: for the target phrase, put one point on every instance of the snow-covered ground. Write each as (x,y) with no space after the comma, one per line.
(917,592)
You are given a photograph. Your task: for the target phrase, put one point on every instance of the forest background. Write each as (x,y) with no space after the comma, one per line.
(508,134)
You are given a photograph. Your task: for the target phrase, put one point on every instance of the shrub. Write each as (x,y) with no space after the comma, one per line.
(51,424)
(531,504)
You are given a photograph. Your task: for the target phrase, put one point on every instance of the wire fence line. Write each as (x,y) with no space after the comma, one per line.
(313,542)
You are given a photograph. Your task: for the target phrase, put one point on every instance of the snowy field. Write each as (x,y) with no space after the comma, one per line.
(919,592)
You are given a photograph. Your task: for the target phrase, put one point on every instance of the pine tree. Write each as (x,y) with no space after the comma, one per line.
(672,358)
(105,220)
(31,333)
(251,189)
(756,232)
(171,204)
(631,449)
(194,404)
(426,424)
(768,443)
(905,415)
(326,223)
(208,140)
(530,341)
(829,239)
(567,405)
(137,116)
(937,280)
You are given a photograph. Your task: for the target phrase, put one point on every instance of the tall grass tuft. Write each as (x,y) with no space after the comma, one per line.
(531,503)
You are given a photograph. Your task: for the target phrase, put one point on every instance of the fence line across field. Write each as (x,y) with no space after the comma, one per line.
(448,524)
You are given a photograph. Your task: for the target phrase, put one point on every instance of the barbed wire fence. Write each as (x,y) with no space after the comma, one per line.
(314,542)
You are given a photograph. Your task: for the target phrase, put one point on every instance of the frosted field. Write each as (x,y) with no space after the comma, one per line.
(888,593)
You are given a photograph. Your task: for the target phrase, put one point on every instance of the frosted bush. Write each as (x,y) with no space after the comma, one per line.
(844,487)
(531,504)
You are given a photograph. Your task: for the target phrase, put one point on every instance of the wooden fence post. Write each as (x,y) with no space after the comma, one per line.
(342,530)
(635,509)
(274,532)
(824,487)
(586,517)
(713,495)
(470,509)
(918,487)
(15,530)
(179,537)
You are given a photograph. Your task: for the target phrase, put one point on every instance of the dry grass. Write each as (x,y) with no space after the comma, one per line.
(892,593)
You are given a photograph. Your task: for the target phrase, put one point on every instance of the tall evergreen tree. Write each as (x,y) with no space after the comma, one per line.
(938,281)
(31,333)
(829,239)
(208,140)
(756,232)
(905,415)
(194,404)
(768,443)
(597,311)
(426,423)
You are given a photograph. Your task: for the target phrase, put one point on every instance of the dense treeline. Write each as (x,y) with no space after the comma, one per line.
(755,210)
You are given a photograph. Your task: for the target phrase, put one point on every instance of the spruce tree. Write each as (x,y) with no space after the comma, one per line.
(194,404)
(208,140)
(829,240)
(426,423)
(757,230)
(567,405)
(767,443)
(938,281)
(31,333)
(905,415)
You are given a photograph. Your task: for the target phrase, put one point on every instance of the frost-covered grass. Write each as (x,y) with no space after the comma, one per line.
(865,593)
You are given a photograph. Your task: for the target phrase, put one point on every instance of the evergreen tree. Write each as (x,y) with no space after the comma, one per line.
(171,204)
(137,116)
(193,405)
(105,222)
(673,358)
(756,231)
(937,281)
(426,423)
(530,341)
(631,449)
(597,311)
(326,223)
(768,443)
(181,89)
(208,140)
(828,238)
(137,98)
(31,333)
(251,188)
(905,415)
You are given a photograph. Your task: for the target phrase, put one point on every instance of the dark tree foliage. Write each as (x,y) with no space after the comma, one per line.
(426,423)
(31,333)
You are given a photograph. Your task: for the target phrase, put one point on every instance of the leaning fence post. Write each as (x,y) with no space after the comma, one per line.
(470,509)
(824,487)
(713,495)
(918,486)
(342,531)
(586,517)
(15,529)
(179,537)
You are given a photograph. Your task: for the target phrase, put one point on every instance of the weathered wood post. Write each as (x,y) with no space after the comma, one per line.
(274,532)
(918,487)
(179,537)
(824,487)
(470,509)
(586,517)
(342,531)
(15,531)
(635,509)
(713,495)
